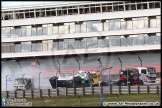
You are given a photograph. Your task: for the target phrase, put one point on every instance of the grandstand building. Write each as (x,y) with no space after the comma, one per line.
(60,33)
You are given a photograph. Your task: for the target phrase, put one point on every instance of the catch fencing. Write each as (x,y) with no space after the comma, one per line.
(63,91)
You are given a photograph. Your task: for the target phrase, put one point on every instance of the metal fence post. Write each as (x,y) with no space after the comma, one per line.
(42,101)
(79,101)
(118,97)
(6,87)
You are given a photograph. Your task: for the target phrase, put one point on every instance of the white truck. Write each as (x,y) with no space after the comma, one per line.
(25,83)
(147,75)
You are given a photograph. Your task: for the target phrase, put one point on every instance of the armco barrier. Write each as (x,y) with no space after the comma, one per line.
(82,91)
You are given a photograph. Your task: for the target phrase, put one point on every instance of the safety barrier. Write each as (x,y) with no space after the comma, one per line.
(63,91)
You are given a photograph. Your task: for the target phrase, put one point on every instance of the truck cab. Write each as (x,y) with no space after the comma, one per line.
(128,76)
(95,78)
(147,75)
(23,83)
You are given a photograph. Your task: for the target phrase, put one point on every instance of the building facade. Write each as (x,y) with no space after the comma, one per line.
(63,32)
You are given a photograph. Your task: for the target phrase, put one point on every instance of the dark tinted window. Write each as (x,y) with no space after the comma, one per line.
(143,71)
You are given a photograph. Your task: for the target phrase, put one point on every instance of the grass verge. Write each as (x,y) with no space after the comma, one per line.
(91,100)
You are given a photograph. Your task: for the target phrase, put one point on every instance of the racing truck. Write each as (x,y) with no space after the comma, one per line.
(80,79)
(128,77)
(147,75)
(24,83)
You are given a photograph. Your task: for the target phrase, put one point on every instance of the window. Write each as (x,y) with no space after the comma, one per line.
(117,25)
(83,44)
(123,25)
(23,32)
(18,48)
(28,32)
(50,30)
(130,7)
(135,39)
(111,41)
(71,45)
(55,45)
(143,71)
(158,38)
(123,41)
(100,43)
(117,40)
(66,45)
(89,26)
(152,22)
(61,30)
(106,26)
(28,47)
(66,28)
(112,25)
(72,28)
(83,28)
(34,47)
(44,45)
(140,23)
(158,22)
(153,39)
(146,23)
(78,28)
(23,44)
(45,30)
(12,48)
(94,42)
(39,47)
(3,32)
(88,41)
(135,24)
(8,32)
(106,42)
(61,45)
(94,27)
(55,30)
(140,39)
(129,25)
(39,31)
(33,31)
(18,32)
(154,5)
(147,39)
(77,44)
(130,40)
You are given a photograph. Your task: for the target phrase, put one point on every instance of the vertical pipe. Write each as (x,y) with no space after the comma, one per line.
(120,62)
(101,95)
(127,77)
(6,84)
(59,65)
(23,75)
(109,72)
(140,60)
(39,80)
(78,63)
(39,73)
(56,80)
(73,78)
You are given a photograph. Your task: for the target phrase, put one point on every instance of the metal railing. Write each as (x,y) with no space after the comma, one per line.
(63,91)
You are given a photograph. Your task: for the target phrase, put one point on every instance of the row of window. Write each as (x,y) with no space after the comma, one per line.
(81,9)
(94,42)
(92,26)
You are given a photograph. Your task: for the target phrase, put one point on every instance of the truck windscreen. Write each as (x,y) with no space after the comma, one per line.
(93,75)
(19,82)
(151,70)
